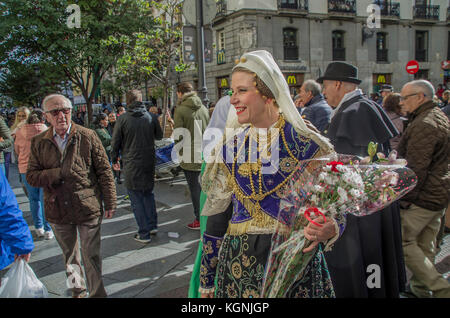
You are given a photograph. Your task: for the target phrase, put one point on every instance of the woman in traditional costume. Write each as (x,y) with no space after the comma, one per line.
(244,180)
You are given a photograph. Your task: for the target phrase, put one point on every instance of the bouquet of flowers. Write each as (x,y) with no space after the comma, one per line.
(331,187)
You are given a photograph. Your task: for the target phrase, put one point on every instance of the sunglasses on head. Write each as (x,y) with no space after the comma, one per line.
(55,112)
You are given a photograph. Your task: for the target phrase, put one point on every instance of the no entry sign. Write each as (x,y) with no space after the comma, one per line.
(412,67)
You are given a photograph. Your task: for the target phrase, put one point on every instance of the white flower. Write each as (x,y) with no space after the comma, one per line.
(318,188)
(342,195)
(355,193)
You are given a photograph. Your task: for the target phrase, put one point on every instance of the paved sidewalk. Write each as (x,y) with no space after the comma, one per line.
(161,268)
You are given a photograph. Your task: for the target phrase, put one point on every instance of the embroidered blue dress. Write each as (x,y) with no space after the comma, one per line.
(236,243)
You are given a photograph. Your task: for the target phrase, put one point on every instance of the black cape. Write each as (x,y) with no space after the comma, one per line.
(133,139)
(356,123)
(374,239)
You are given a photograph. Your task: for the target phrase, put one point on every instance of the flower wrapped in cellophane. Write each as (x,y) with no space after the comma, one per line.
(331,187)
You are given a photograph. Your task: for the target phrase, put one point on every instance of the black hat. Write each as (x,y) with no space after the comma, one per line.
(387,87)
(340,71)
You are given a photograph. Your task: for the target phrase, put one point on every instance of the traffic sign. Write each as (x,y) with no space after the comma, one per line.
(412,67)
(190,11)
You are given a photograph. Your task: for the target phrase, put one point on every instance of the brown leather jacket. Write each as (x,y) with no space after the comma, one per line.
(75,183)
(425,144)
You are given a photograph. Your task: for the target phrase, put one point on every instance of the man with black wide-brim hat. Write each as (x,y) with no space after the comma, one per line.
(369,240)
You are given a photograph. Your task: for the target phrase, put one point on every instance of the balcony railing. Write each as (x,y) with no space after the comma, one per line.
(382,55)
(426,12)
(342,6)
(291,53)
(293,4)
(391,9)
(339,54)
(221,6)
(421,55)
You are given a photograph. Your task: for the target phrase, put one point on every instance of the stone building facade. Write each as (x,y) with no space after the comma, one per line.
(379,37)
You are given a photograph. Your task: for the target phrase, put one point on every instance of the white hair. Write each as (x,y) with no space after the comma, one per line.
(424,87)
(67,102)
(313,87)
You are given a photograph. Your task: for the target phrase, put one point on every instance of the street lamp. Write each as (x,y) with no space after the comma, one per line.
(201,52)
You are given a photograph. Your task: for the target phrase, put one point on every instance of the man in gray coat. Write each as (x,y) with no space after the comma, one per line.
(316,109)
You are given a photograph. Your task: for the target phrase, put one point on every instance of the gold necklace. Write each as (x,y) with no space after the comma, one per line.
(260,195)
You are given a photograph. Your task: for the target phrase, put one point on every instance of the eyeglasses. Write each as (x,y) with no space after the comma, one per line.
(403,98)
(55,112)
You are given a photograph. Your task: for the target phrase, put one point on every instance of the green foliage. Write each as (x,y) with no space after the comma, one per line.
(37,30)
(27,84)
(157,53)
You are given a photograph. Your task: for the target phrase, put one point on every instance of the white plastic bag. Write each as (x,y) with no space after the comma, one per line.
(21,282)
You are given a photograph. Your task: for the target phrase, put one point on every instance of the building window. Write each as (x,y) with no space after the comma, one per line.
(221,40)
(338,46)
(294,81)
(421,74)
(382,52)
(448,47)
(424,10)
(381,79)
(421,46)
(223,86)
(289,4)
(388,8)
(290,44)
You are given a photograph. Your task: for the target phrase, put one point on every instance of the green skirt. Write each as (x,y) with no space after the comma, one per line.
(195,278)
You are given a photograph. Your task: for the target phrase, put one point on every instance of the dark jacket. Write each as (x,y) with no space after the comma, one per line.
(134,139)
(318,112)
(76,182)
(111,127)
(357,122)
(425,145)
(192,114)
(15,235)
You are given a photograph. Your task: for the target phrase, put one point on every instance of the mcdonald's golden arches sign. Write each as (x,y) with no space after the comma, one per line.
(294,79)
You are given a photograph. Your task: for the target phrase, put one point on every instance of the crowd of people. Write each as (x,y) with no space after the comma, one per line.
(70,172)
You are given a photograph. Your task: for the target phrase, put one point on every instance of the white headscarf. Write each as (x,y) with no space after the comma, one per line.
(263,65)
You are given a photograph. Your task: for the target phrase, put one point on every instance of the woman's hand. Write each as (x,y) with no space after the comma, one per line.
(207,295)
(25,257)
(317,234)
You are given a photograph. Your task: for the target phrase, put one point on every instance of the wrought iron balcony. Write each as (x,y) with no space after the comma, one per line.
(339,54)
(342,6)
(382,55)
(426,12)
(221,7)
(291,53)
(293,4)
(391,9)
(421,55)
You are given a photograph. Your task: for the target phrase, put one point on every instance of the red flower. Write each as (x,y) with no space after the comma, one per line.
(333,165)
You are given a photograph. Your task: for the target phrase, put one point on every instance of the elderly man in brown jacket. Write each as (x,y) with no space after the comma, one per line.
(70,163)
(425,144)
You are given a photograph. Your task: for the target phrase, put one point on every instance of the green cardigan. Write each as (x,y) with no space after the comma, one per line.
(7,142)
